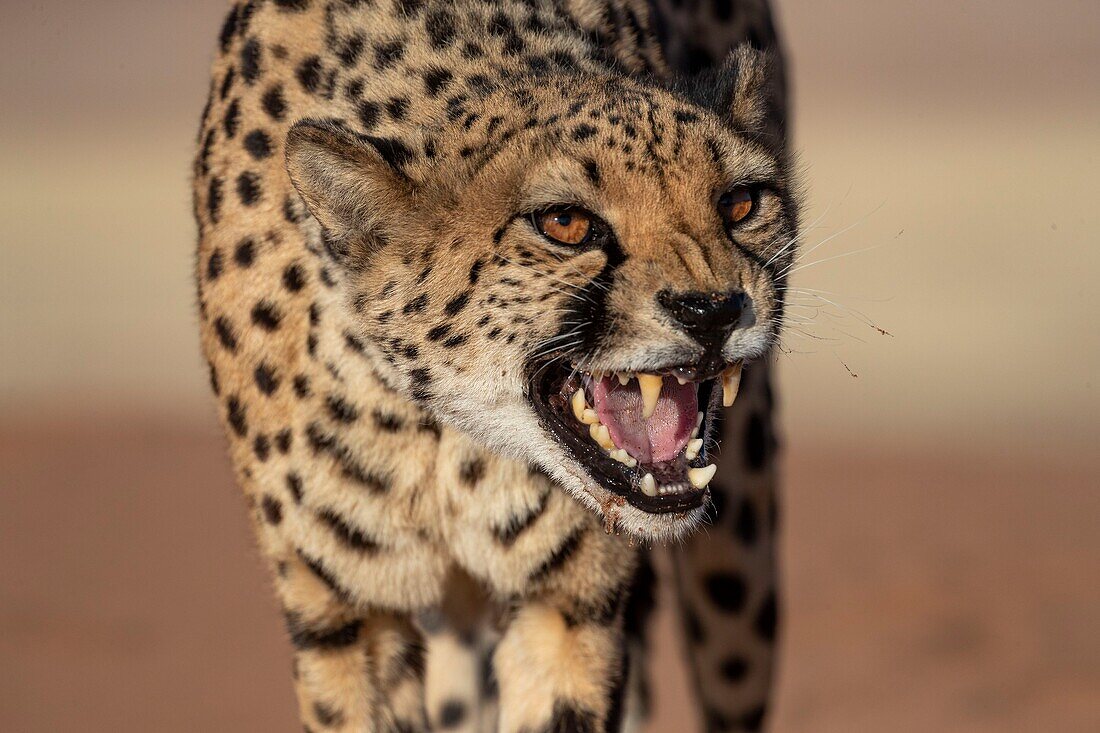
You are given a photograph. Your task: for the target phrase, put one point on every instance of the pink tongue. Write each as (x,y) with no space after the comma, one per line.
(664,434)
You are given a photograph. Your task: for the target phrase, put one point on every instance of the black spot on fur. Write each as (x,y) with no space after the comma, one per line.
(248,188)
(327,716)
(369,114)
(229,29)
(245,254)
(557,559)
(744,522)
(251,54)
(452,714)
(306,637)
(387,54)
(214,199)
(294,210)
(392,150)
(455,305)
(693,627)
(346,458)
(471,471)
(309,73)
(727,591)
(294,277)
(408,8)
(273,510)
(475,271)
(517,525)
(258,144)
(767,618)
(416,305)
(421,380)
(753,720)
(266,316)
(592,171)
(227,82)
(283,440)
(440,25)
(756,442)
(350,51)
(266,379)
(274,103)
(583,132)
(455,341)
(436,80)
(341,410)
(325,576)
(301,386)
(397,108)
(387,422)
(723,9)
(235,414)
(294,486)
(293,6)
(214,265)
(355,538)
(437,333)
(226,334)
(734,669)
(567,719)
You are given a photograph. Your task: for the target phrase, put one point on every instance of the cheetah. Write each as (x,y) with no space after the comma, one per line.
(483,285)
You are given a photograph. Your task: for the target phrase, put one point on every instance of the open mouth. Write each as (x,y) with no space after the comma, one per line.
(645,436)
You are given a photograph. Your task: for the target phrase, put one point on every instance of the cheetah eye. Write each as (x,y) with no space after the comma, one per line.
(735,205)
(570,225)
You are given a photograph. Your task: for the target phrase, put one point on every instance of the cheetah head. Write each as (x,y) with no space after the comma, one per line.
(573,272)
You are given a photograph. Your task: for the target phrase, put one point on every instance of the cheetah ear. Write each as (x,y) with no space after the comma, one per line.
(354,185)
(747,90)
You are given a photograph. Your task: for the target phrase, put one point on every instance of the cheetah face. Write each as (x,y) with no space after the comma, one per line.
(582,295)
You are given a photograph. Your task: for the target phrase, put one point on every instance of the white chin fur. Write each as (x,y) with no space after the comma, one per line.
(515,432)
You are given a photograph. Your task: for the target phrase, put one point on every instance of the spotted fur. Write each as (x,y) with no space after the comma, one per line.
(368,301)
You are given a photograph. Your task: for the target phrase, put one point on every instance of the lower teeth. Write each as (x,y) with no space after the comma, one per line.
(698,478)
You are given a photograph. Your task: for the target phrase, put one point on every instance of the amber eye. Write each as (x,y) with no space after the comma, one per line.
(735,205)
(571,226)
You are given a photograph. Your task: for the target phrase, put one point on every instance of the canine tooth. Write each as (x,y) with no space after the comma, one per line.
(731,382)
(589,416)
(601,435)
(700,477)
(693,448)
(698,424)
(649,485)
(579,405)
(650,385)
(624,378)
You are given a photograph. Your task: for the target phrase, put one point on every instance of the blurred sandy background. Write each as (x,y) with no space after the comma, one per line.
(942,527)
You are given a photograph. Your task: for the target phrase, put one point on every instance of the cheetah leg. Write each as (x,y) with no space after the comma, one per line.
(561,664)
(726,577)
(353,671)
(460,691)
(559,675)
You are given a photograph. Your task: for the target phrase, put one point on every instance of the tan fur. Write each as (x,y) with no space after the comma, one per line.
(368,307)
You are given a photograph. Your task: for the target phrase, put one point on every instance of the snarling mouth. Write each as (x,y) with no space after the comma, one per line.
(644,436)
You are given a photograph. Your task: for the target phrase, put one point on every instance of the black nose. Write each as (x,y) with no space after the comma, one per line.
(706,317)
